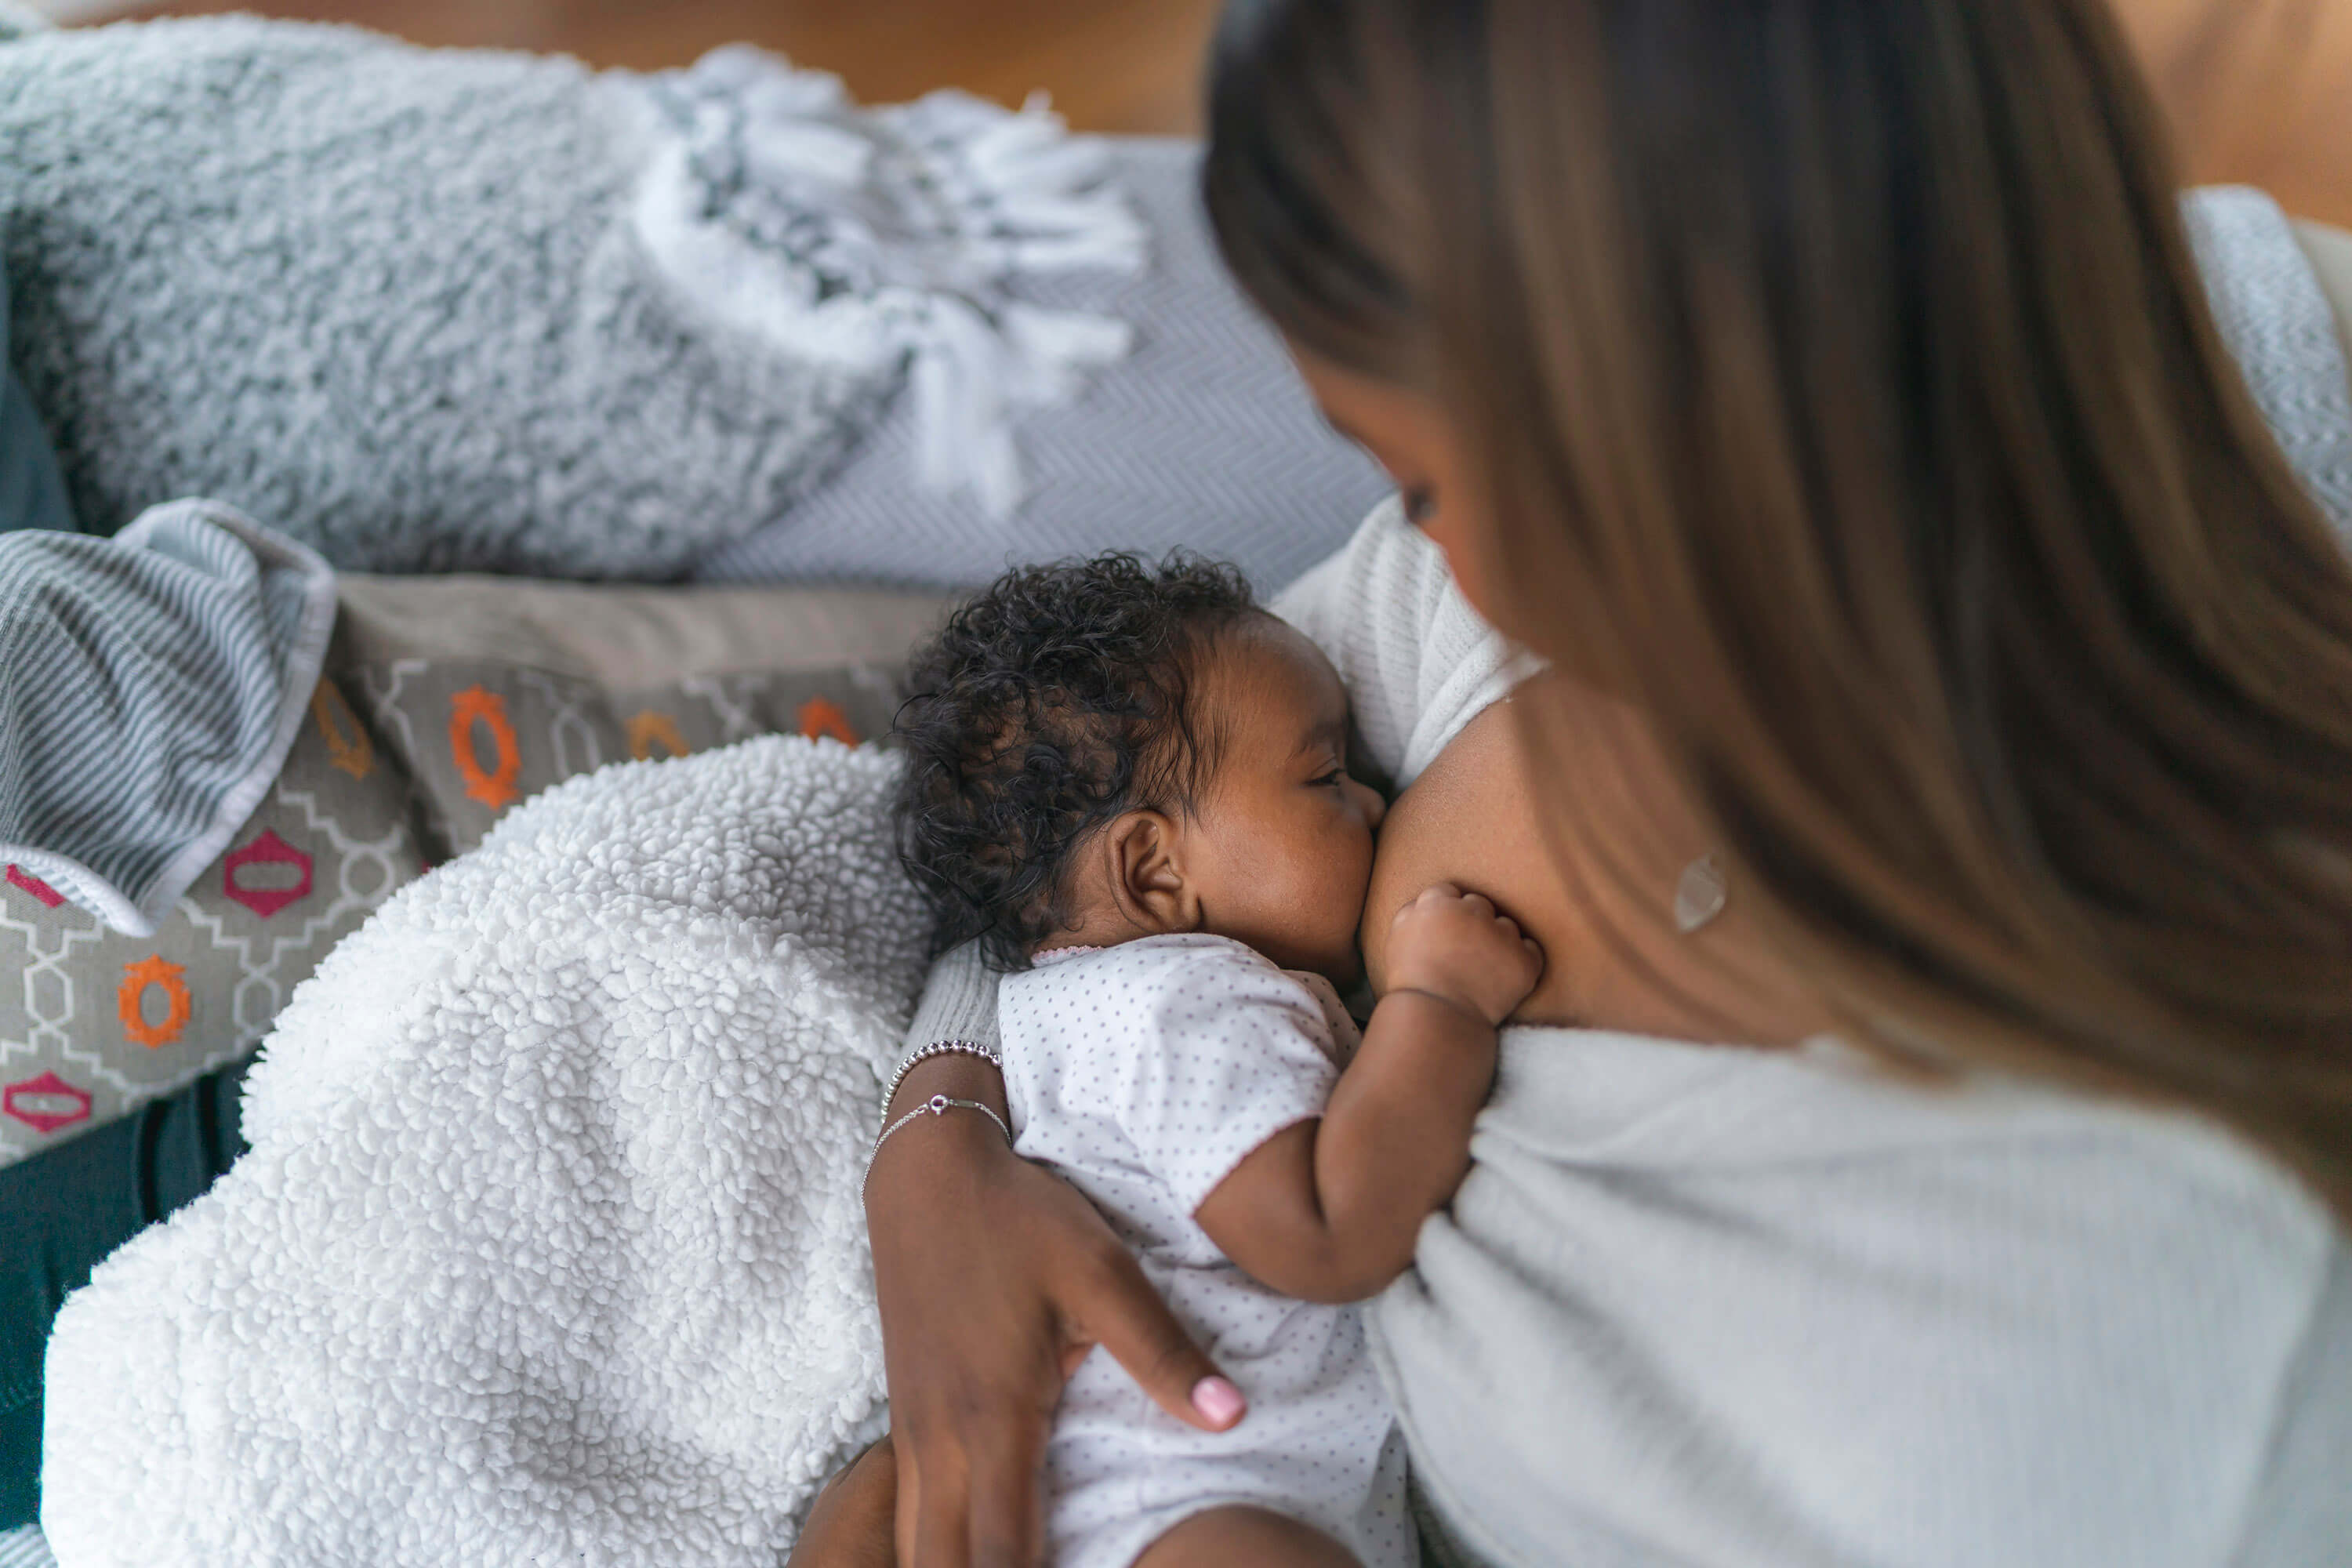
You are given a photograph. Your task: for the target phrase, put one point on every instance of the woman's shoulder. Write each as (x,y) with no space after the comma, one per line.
(1418,661)
(1387,559)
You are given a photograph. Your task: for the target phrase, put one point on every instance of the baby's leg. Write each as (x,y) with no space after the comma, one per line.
(1242,1537)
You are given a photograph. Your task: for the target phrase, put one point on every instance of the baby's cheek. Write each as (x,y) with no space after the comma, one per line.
(1322,893)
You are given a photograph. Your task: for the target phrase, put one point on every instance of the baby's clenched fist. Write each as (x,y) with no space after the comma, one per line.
(1455,945)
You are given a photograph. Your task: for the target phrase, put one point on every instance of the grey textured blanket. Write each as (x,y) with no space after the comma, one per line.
(433,311)
(379,299)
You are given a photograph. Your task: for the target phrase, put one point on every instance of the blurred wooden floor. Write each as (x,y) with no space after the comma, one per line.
(1111,65)
(2259,90)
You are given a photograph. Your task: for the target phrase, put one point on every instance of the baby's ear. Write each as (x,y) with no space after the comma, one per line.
(1146,870)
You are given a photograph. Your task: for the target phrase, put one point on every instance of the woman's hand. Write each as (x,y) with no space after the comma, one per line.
(995,1278)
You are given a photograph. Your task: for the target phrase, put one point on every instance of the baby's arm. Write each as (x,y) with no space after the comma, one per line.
(1327,1210)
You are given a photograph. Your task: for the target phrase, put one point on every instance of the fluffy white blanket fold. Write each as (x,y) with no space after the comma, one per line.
(549,1248)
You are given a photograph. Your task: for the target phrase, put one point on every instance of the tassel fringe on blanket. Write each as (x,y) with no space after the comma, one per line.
(471,311)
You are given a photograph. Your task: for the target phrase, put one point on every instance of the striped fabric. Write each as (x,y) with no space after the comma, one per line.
(150,686)
(25,1548)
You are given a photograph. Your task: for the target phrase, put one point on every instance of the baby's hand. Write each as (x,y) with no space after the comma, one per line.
(1455,945)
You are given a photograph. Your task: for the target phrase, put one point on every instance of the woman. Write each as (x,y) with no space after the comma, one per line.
(1824,389)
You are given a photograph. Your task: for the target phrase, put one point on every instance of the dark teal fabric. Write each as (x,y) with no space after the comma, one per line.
(63,1211)
(32,492)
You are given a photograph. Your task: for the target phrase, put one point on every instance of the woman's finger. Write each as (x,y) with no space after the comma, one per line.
(1008,1497)
(1123,1313)
(933,1509)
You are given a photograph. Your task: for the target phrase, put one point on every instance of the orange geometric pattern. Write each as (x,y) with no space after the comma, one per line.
(651,727)
(494,787)
(129,1001)
(823,716)
(348,746)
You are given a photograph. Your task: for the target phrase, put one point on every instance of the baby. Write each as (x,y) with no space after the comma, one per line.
(1131,785)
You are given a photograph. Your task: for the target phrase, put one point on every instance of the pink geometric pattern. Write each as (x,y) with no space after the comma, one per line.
(266,850)
(206,986)
(46,1103)
(35,887)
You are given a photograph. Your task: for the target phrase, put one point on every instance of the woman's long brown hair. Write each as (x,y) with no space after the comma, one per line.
(1840,390)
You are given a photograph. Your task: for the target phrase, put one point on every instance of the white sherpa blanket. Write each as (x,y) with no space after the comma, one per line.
(549,1248)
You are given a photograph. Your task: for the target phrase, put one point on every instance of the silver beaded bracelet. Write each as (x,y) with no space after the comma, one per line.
(938,1105)
(937,1048)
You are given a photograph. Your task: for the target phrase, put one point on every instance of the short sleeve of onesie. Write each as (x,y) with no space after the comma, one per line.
(1245,1050)
(1215,1050)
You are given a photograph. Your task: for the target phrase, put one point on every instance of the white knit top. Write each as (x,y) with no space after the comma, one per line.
(1708,1305)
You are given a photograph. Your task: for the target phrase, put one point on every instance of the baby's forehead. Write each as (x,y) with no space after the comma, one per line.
(1263,664)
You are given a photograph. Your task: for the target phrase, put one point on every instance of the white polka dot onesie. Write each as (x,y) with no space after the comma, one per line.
(1144,1073)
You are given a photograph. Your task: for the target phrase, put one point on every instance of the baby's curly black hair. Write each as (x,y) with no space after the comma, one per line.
(1053,702)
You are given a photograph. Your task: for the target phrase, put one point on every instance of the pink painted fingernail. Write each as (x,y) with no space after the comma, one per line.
(1218,1400)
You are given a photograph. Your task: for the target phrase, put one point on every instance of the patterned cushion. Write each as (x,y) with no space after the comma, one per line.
(92,1024)
(448,700)
(487,690)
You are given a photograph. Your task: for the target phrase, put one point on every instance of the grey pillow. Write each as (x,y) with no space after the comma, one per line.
(483,691)
(385,300)
(1204,437)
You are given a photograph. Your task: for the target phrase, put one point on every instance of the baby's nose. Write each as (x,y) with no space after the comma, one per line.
(1375,808)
